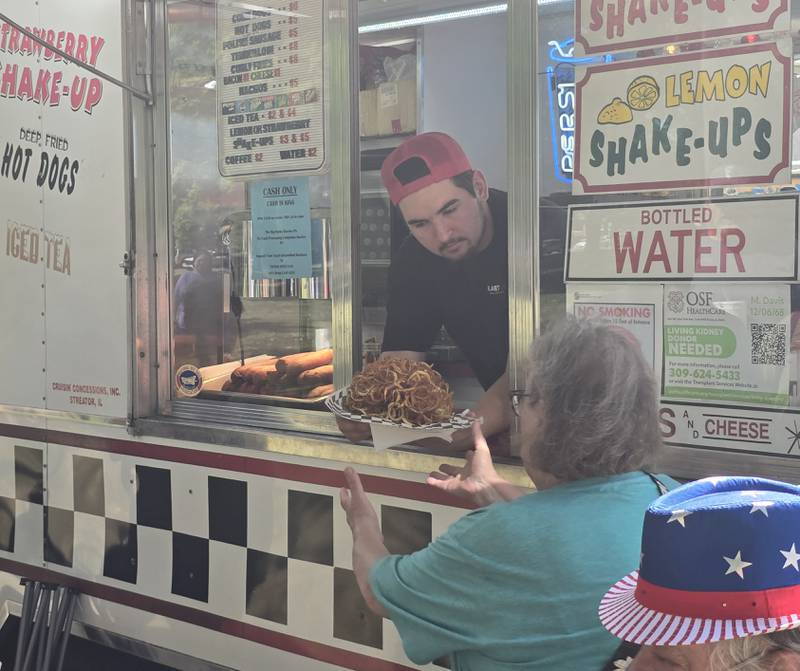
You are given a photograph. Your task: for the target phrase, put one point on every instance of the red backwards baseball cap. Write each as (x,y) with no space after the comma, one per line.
(420,161)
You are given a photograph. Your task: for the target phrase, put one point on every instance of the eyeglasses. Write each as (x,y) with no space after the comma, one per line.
(516,399)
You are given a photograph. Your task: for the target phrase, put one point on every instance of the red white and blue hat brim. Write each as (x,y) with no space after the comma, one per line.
(627,619)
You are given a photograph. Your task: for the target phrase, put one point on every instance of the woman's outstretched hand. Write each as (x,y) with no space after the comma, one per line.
(477,481)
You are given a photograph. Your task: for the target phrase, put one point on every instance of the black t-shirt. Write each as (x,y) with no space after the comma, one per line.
(470,298)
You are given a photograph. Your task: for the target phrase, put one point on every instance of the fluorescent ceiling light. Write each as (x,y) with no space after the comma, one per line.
(389,43)
(444,16)
(434,18)
(233,5)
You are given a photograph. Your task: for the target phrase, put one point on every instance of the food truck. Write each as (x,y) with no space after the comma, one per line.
(190,190)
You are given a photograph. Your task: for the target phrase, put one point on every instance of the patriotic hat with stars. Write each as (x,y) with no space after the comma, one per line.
(720,560)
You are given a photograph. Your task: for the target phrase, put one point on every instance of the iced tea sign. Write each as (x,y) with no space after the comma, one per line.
(693,120)
(602,26)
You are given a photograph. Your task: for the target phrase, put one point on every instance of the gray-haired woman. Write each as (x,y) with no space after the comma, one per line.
(779,651)
(514,585)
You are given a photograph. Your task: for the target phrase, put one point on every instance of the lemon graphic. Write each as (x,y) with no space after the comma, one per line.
(616,112)
(643,93)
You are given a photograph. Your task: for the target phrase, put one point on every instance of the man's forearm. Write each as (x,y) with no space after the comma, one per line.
(494,408)
(368,549)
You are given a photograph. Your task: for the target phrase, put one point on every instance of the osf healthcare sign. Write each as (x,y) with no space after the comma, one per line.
(694,120)
(610,25)
(715,240)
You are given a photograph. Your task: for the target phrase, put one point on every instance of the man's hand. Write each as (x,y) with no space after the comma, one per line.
(355,432)
(477,481)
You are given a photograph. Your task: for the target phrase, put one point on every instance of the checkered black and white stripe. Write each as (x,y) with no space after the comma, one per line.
(263,551)
(335,404)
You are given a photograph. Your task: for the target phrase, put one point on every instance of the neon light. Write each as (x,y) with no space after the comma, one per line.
(554,141)
(561,98)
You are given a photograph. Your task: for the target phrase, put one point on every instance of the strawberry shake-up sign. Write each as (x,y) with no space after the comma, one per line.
(602,25)
(698,119)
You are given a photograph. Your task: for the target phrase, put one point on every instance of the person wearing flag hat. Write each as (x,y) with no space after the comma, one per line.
(718,586)
(452,270)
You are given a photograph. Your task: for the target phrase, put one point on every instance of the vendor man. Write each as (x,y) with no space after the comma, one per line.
(452,270)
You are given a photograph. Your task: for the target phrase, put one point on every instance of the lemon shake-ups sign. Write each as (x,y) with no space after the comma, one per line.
(602,25)
(693,120)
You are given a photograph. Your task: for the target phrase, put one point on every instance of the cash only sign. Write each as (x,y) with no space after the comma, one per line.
(715,113)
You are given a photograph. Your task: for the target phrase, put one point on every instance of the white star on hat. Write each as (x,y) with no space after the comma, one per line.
(679,516)
(737,565)
(761,506)
(792,557)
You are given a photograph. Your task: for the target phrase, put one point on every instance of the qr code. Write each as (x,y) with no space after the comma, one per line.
(769,344)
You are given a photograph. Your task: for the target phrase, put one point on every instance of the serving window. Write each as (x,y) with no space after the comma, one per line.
(251,253)
(661,198)
(413,80)
(243,295)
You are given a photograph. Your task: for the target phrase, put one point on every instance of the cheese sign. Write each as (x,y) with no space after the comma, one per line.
(695,120)
(717,240)
(609,25)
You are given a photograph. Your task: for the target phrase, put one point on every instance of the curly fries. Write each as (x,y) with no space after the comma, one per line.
(402,391)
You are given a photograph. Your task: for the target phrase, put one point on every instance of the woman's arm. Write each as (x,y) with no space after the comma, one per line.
(368,545)
(477,481)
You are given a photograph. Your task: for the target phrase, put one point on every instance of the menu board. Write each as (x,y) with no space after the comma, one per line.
(270,88)
(693,120)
